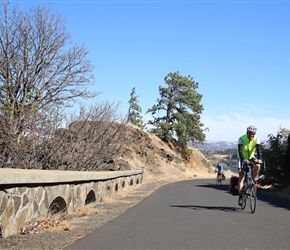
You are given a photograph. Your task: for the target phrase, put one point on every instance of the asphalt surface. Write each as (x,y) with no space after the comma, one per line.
(195,214)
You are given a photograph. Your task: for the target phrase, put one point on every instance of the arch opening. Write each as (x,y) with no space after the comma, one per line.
(91,197)
(57,205)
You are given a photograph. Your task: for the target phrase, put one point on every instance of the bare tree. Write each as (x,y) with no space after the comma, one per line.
(40,70)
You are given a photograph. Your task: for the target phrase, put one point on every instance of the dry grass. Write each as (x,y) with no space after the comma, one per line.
(197,167)
(51,222)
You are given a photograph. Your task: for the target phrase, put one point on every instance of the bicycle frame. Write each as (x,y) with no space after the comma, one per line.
(249,189)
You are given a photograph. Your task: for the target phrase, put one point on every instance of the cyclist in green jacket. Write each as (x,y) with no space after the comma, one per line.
(248,144)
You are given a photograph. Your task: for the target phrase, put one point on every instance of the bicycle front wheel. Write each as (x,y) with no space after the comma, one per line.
(253,199)
(218,180)
(244,199)
(244,202)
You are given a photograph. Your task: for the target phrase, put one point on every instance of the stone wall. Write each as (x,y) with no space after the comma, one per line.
(22,202)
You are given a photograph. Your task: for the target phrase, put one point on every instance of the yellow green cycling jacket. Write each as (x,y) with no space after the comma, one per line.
(249,147)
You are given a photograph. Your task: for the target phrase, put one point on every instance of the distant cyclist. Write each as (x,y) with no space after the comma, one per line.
(220,173)
(219,169)
(248,144)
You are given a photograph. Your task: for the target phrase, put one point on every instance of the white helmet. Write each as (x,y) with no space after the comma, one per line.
(252,129)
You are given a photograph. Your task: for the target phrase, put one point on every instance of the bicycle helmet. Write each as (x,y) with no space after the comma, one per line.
(252,129)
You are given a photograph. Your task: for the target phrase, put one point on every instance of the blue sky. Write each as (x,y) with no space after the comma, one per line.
(238,52)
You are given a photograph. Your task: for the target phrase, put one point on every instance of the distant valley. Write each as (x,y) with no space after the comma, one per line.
(215,145)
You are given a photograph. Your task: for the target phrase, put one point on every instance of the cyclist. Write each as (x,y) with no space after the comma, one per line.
(219,169)
(248,144)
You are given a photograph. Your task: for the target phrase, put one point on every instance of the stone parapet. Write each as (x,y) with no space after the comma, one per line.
(30,194)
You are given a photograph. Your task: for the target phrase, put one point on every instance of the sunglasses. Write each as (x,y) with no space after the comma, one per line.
(251,133)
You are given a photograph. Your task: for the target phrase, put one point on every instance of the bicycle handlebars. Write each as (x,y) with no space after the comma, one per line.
(252,162)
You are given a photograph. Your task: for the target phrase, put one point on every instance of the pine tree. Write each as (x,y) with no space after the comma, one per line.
(181,109)
(134,113)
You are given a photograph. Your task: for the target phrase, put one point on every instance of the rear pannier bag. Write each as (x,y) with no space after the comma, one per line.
(234,185)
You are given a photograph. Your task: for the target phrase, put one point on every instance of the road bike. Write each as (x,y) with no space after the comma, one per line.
(249,190)
(219,178)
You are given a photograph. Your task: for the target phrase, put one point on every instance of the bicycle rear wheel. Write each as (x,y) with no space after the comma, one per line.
(218,180)
(253,199)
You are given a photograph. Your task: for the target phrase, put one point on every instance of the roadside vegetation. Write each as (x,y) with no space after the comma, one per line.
(277,157)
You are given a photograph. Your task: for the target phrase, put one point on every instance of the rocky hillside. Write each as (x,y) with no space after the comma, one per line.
(160,160)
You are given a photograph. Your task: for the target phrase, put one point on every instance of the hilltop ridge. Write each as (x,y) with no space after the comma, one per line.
(161,160)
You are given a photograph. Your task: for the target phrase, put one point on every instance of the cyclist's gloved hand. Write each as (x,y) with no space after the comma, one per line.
(254,159)
(245,161)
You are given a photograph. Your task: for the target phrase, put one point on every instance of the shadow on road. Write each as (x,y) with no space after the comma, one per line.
(223,209)
(274,201)
(222,187)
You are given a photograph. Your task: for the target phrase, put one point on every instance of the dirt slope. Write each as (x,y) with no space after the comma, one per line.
(161,161)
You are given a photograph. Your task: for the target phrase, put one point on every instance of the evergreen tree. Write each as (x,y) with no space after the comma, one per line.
(134,113)
(181,109)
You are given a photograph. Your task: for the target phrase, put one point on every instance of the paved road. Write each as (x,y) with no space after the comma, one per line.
(195,214)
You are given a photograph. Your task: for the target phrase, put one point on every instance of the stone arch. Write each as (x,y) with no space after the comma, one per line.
(123,184)
(57,205)
(108,191)
(137,181)
(91,197)
(116,187)
(131,182)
